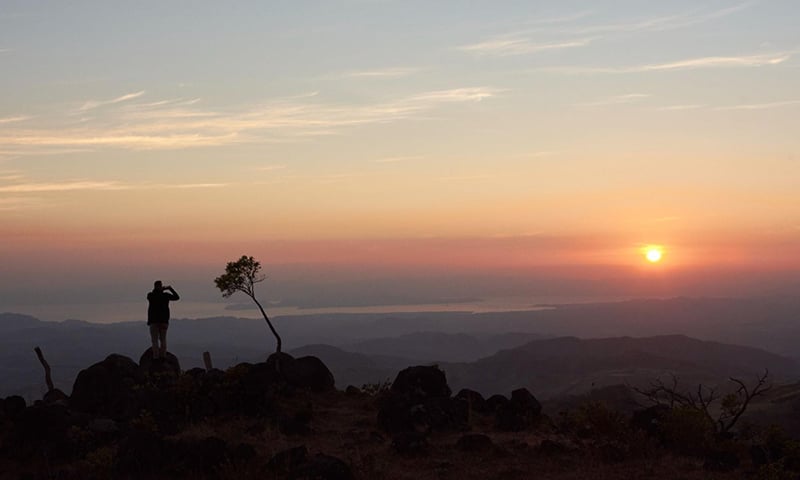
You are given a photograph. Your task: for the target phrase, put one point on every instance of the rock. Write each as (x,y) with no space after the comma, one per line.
(421,382)
(475,400)
(13,406)
(168,365)
(474,443)
(308,373)
(278,361)
(322,467)
(43,430)
(494,402)
(352,391)
(201,455)
(520,413)
(108,388)
(56,396)
(419,400)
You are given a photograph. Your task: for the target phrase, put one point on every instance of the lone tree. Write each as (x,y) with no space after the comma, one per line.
(241,276)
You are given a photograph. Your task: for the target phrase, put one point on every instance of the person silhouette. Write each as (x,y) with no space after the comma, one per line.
(158,316)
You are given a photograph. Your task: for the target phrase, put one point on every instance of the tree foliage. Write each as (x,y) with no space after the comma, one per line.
(241,276)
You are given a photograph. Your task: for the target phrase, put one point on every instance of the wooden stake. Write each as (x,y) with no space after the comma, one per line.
(207,360)
(47,378)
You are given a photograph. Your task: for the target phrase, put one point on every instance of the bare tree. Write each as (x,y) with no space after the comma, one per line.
(732,405)
(241,276)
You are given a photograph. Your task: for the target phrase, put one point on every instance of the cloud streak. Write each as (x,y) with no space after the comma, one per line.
(762,106)
(508,45)
(616,100)
(92,104)
(182,124)
(741,61)
(393,72)
(91,185)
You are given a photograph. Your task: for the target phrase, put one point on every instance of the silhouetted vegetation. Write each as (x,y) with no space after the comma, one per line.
(241,276)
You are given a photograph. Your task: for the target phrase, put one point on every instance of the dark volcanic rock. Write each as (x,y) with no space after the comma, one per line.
(43,429)
(520,413)
(421,382)
(474,400)
(308,372)
(55,396)
(108,388)
(13,406)
(419,400)
(495,402)
(168,365)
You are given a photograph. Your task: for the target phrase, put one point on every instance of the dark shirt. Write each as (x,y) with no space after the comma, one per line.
(158,307)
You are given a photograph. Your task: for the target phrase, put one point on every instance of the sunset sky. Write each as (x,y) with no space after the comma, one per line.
(426,149)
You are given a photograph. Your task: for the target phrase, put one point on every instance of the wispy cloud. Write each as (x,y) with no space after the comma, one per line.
(676,108)
(507,45)
(398,159)
(18,204)
(6,50)
(742,61)
(20,118)
(615,100)
(384,73)
(93,185)
(271,168)
(184,124)
(762,106)
(91,104)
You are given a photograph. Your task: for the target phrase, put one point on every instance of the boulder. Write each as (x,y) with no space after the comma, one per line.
(421,382)
(55,396)
(410,443)
(13,406)
(475,400)
(419,400)
(168,365)
(108,388)
(308,373)
(496,401)
(520,413)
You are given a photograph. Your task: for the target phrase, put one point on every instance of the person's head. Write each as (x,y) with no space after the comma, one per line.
(158,286)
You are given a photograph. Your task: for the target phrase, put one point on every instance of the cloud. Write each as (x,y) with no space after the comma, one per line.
(384,73)
(94,185)
(507,45)
(91,104)
(398,159)
(675,108)
(742,61)
(762,106)
(271,168)
(183,124)
(7,120)
(616,100)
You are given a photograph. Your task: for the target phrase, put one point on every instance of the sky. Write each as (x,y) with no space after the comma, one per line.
(373,152)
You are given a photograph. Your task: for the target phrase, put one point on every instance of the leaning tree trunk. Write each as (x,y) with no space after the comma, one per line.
(47,378)
(277,337)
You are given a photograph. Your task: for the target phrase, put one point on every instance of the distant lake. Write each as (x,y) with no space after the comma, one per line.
(137,311)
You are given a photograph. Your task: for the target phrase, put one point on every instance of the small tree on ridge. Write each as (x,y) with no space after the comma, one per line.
(241,276)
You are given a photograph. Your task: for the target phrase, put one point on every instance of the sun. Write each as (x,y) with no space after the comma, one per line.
(653,254)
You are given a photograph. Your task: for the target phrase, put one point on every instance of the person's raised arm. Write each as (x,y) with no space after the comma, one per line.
(173,295)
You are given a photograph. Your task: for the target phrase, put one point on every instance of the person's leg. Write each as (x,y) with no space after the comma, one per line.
(162,331)
(154,338)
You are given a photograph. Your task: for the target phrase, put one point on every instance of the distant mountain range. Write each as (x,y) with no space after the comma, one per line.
(490,352)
